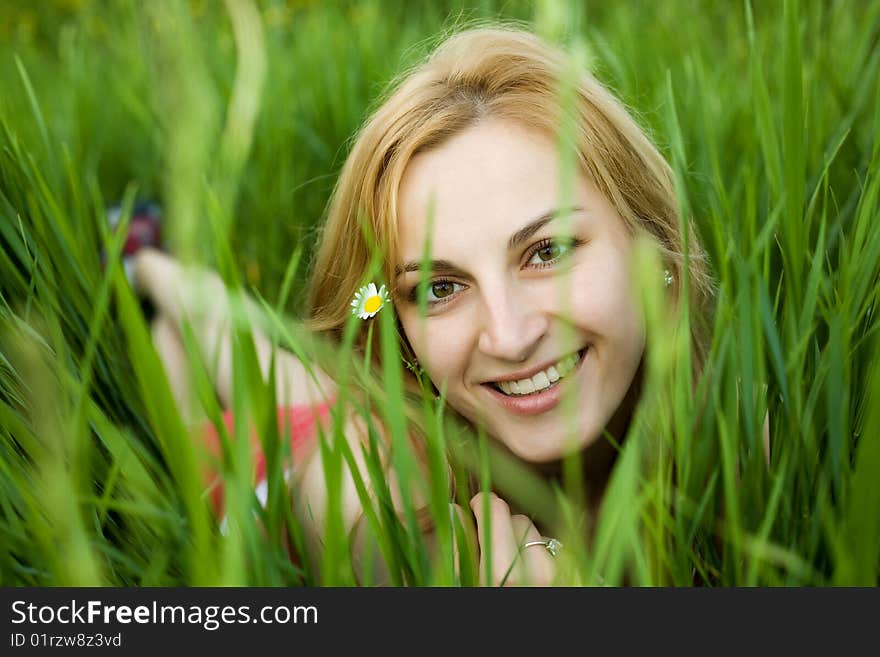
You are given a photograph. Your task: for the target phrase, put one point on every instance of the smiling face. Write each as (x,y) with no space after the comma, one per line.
(527,302)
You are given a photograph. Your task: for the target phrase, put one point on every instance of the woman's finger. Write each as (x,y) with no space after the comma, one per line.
(498,548)
(537,567)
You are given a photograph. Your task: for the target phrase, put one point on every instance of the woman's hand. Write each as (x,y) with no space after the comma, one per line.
(512,565)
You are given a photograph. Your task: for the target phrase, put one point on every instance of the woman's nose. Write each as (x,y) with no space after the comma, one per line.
(512,328)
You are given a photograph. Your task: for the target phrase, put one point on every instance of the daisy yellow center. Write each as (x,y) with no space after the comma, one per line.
(373,304)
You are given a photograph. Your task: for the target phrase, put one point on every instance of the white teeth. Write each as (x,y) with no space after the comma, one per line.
(526,386)
(566,364)
(541,380)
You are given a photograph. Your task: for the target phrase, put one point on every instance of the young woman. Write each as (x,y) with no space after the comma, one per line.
(527,285)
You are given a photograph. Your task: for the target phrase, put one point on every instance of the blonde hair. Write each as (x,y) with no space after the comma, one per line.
(507,73)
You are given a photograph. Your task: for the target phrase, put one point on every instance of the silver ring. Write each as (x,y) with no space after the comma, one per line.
(550,544)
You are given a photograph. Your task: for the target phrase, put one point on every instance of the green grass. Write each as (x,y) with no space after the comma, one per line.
(770,116)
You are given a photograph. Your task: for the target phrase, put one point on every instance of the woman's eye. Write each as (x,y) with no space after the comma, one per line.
(437,292)
(441,290)
(549,252)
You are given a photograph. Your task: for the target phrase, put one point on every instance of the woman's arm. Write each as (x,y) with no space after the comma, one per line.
(312,498)
(200,297)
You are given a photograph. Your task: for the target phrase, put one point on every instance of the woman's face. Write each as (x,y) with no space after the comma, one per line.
(528,301)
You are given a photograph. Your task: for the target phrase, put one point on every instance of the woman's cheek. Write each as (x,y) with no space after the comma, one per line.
(440,349)
(446,360)
(415,330)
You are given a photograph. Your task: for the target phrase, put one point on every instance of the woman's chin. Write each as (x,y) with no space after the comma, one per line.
(546,449)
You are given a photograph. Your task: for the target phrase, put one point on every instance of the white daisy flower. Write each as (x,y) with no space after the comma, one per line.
(368,301)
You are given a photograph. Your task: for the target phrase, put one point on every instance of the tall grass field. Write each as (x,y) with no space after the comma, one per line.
(236,118)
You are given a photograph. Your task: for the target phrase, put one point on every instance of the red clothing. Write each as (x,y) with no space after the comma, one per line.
(300,421)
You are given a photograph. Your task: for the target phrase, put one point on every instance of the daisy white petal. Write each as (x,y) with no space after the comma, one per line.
(368,301)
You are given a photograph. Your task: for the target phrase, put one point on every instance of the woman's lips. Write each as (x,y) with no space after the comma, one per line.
(537,402)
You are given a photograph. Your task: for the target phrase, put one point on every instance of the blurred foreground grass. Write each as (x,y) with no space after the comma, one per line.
(237,116)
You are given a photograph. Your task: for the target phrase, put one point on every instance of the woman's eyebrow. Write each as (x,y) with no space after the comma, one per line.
(533,227)
(439,266)
(524,233)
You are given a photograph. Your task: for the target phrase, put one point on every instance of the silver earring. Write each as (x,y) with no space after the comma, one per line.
(668,277)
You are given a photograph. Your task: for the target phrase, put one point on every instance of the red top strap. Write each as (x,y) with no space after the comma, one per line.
(301,423)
